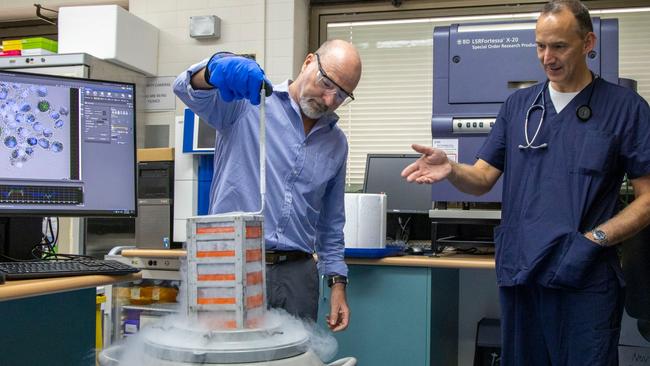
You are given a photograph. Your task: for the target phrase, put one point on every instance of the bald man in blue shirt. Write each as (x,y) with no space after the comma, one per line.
(305,165)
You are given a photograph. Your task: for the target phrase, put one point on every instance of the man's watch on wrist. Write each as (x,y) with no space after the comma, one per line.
(331,280)
(600,237)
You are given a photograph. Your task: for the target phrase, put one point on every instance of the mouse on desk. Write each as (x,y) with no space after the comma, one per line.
(414,251)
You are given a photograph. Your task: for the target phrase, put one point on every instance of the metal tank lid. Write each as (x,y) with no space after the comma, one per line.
(224,347)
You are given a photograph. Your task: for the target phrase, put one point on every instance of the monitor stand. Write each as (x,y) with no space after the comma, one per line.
(18,235)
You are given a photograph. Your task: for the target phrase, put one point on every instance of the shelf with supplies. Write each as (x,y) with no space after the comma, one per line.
(142,303)
(137,304)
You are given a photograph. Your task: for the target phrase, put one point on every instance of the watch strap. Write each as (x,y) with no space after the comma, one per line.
(331,280)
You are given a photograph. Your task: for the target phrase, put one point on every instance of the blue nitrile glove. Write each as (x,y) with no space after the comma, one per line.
(236,77)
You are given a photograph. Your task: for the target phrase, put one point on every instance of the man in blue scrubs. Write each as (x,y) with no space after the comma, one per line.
(306,156)
(560,281)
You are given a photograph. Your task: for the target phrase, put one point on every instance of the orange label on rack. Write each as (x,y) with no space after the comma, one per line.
(215,300)
(215,230)
(254,278)
(253,255)
(216,277)
(226,324)
(253,323)
(254,301)
(215,253)
(253,232)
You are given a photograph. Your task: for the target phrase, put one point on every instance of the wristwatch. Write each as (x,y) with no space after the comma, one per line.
(600,237)
(331,280)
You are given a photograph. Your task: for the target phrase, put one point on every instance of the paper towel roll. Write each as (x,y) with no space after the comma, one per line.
(365,220)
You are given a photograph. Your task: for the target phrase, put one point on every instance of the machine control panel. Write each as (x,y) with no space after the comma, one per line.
(473,125)
(169,264)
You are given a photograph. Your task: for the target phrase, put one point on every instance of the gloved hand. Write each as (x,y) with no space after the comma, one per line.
(236,77)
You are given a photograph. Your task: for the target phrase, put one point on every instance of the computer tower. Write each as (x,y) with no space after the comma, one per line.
(18,235)
(488,343)
(153,226)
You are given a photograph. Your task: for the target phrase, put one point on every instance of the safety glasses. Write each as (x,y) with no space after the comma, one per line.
(330,86)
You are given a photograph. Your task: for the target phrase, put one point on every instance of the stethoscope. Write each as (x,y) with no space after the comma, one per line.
(583,113)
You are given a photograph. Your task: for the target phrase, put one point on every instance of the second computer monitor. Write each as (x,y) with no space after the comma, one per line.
(383,176)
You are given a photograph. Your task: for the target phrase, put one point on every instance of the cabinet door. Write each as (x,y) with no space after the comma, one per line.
(53,330)
(391,319)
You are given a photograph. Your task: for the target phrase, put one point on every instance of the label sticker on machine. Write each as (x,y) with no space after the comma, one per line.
(449,146)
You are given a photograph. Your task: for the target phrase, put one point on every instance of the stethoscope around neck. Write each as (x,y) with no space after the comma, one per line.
(583,113)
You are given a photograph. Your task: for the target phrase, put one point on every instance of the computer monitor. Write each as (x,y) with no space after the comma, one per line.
(407,219)
(383,176)
(68,146)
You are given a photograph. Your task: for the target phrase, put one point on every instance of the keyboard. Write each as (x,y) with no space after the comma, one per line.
(62,268)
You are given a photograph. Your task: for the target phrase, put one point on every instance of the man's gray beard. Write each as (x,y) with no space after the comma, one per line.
(309,110)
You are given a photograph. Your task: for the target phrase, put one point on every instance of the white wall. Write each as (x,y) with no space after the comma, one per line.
(274,30)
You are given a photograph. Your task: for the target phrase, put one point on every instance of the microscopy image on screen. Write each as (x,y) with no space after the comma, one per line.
(34,131)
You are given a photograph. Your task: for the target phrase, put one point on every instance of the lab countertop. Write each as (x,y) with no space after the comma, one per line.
(449,261)
(11,290)
(460,261)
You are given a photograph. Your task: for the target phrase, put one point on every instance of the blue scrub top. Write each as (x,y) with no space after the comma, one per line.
(552,196)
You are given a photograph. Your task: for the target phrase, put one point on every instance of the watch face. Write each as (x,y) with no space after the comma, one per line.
(599,235)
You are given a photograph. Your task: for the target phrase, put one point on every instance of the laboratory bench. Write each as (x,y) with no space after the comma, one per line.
(405,309)
(51,321)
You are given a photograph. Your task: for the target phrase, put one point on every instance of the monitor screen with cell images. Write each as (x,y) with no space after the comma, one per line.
(67,146)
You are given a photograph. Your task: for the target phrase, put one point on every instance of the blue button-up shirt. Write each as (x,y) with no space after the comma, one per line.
(305,175)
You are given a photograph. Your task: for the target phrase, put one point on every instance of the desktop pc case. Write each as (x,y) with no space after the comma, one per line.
(153,226)
(26,230)
(487,350)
